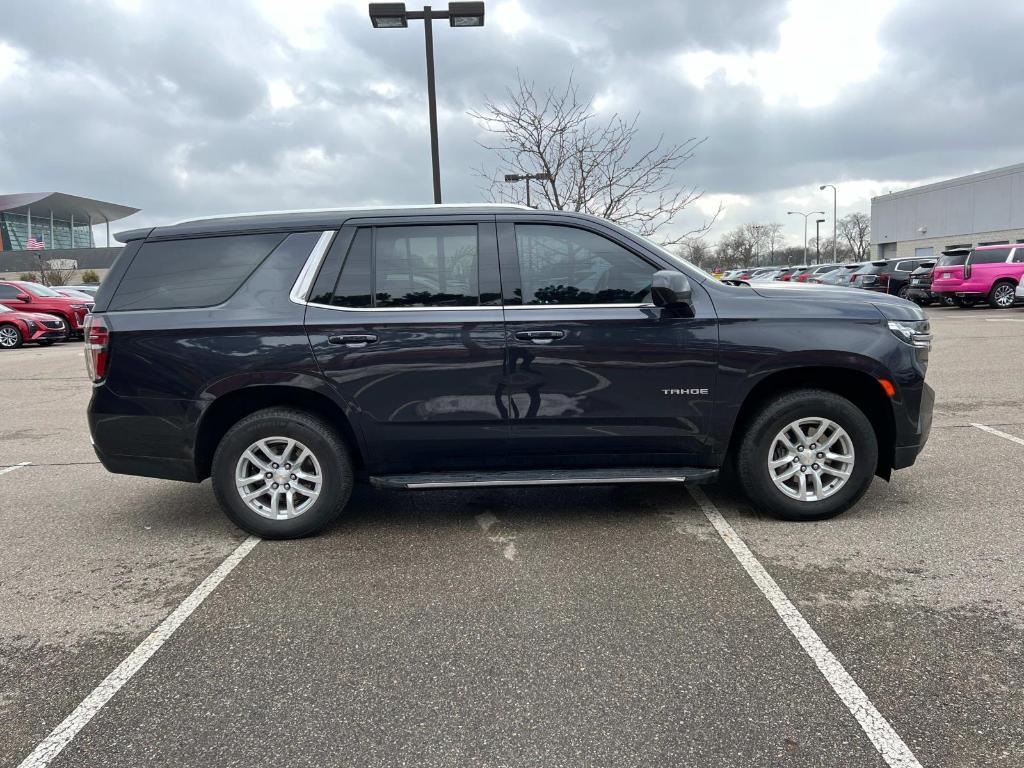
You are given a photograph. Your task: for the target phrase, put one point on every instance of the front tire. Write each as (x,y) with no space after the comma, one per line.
(282,473)
(807,455)
(10,336)
(1002,295)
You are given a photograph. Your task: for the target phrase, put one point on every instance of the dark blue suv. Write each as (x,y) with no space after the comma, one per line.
(287,356)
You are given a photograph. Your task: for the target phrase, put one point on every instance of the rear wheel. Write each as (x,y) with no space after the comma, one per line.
(807,455)
(1002,295)
(10,336)
(282,474)
(902,292)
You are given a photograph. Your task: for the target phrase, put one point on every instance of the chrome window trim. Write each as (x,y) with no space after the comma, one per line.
(580,306)
(304,282)
(469,308)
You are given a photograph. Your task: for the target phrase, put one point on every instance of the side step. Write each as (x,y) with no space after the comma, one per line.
(431,480)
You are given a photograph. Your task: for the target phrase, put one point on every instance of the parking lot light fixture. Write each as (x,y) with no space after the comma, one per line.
(388,15)
(514,177)
(805,215)
(466,14)
(395,16)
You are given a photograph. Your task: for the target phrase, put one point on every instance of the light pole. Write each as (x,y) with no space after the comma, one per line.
(834,198)
(805,215)
(394,16)
(758,234)
(514,177)
(817,240)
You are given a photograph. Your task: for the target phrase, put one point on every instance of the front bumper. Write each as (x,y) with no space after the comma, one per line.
(905,453)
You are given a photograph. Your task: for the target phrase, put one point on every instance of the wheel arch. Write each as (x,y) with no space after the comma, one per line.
(230,407)
(857,386)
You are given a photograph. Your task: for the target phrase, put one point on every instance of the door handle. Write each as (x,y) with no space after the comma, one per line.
(353,339)
(540,337)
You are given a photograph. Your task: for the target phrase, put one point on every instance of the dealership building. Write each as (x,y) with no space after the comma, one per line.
(980,209)
(55,227)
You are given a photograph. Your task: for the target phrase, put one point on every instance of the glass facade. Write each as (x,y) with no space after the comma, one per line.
(14,230)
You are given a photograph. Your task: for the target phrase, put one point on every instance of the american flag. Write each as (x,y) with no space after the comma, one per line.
(35,245)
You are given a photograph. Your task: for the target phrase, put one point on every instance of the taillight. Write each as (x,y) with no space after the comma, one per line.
(883,278)
(967,271)
(97,343)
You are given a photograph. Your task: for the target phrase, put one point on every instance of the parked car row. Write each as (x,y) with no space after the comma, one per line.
(38,314)
(962,277)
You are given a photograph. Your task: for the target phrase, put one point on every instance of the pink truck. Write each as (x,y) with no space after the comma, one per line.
(987,273)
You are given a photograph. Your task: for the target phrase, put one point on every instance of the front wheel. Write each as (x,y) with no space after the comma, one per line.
(281,473)
(807,455)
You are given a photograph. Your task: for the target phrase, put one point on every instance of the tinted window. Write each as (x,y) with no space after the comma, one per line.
(995,256)
(199,272)
(353,288)
(1018,256)
(9,291)
(564,265)
(433,266)
(956,259)
(906,266)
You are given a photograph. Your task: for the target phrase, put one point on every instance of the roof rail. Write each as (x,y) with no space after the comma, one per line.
(349,208)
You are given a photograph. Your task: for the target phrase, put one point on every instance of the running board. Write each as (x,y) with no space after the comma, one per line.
(430,480)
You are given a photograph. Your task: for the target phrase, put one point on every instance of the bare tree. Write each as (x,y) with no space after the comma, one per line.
(53,273)
(592,163)
(855,229)
(697,251)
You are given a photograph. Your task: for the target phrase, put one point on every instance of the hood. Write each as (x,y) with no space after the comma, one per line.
(36,317)
(892,307)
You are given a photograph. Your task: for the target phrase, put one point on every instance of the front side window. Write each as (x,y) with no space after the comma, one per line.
(995,256)
(9,291)
(565,265)
(429,266)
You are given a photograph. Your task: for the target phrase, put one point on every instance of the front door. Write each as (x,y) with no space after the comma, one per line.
(407,324)
(596,373)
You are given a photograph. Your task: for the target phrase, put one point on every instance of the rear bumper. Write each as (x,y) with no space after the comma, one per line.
(147,466)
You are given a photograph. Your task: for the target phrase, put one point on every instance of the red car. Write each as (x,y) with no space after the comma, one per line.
(18,327)
(33,297)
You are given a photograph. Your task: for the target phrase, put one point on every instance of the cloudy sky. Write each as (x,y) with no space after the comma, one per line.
(196,107)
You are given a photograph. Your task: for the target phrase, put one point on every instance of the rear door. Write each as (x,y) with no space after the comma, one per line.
(405,319)
(596,373)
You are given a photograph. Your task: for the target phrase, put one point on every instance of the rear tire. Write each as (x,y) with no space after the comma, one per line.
(902,292)
(1002,295)
(760,447)
(321,462)
(10,336)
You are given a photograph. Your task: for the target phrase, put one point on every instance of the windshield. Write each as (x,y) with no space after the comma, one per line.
(677,258)
(952,259)
(871,269)
(5,309)
(40,290)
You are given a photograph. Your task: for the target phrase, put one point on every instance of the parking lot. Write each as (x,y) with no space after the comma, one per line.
(544,627)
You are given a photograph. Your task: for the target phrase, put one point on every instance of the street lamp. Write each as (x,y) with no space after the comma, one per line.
(817,240)
(805,215)
(395,16)
(822,188)
(514,177)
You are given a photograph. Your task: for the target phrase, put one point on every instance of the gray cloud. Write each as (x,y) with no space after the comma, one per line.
(167,106)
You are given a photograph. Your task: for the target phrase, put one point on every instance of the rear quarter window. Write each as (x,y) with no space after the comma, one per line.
(196,272)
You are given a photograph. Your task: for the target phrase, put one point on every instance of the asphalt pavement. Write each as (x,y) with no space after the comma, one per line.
(540,627)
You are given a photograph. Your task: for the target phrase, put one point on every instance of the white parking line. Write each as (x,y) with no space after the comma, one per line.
(888,743)
(1004,319)
(62,735)
(992,431)
(5,470)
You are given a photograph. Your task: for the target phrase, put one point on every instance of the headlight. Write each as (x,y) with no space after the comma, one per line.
(79,306)
(916,333)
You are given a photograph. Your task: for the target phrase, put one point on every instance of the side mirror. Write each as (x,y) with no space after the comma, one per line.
(23,297)
(671,290)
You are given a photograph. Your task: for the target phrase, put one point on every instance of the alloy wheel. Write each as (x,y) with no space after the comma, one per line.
(8,337)
(1004,295)
(811,459)
(278,478)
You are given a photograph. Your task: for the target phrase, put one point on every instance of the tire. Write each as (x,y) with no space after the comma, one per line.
(1002,295)
(902,292)
(330,462)
(759,445)
(10,336)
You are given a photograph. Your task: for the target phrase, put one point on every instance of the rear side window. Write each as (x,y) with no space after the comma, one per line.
(432,266)
(198,272)
(353,288)
(995,256)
